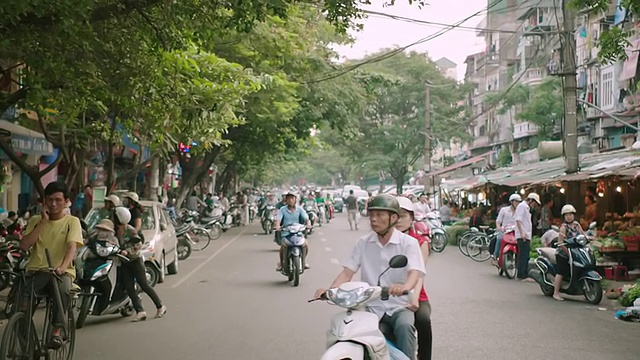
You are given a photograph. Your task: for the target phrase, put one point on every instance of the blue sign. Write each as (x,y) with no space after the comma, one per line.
(30,145)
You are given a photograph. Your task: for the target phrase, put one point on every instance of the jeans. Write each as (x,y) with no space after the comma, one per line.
(498,249)
(41,283)
(400,328)
(133,272)
(524,248)
(423,325)
(351,216)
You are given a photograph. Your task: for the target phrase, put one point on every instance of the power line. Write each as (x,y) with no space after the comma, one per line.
(401,49)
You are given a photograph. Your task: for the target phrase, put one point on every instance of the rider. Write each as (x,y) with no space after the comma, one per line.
(570,228)
(311,202)
(371,255)
(291,214)
(506,217)
(321,202)
(419,300)
(60,234)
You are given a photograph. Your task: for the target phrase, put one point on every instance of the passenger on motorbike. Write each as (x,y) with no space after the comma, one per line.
(270,199)
(506,217)
(371,254)
(291,214)
(569,229)
(419,300)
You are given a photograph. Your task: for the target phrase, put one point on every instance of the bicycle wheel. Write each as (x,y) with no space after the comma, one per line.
(69,340)
(19,338)
(462,244)
(478,248)
(200,239)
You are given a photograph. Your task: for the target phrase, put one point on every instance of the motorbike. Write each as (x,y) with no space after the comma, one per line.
(11,256)
(268,218)
(506,263)
(436,228)
(583,279)
(294,261)
(311,212)
(362,206)
(322,215)
(253,210)
(422,230)
(102,291)
(184,240)
(354,334)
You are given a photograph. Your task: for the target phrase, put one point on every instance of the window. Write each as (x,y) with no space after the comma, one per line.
(607,95)
(148,218)
(481,131)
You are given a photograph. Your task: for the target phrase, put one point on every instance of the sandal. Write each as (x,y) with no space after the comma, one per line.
(558,297)
(56,342)
(141,316)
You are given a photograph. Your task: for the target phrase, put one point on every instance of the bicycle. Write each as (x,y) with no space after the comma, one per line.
(21,329)
(464,240)
(478,246)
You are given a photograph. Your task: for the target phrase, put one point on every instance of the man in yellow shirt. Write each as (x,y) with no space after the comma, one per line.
(60,234)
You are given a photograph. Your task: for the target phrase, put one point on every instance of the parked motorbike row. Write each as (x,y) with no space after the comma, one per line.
(583,278)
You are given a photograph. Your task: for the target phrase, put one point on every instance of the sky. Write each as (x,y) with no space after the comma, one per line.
(383,32)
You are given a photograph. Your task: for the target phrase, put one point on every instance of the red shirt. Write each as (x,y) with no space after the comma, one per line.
(421,240)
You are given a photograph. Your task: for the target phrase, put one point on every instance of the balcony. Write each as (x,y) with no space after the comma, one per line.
(531,76)
(593,113)
(524,129)
(480,141)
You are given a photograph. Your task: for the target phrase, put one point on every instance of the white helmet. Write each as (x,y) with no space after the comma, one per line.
(515,197)
(406,204)
(535,197)
(115,200)
(123,214)
(568,209)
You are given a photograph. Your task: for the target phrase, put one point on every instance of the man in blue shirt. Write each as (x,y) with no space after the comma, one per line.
(288,215)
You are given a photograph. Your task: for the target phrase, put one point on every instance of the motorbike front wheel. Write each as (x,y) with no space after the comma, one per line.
(184,248)
(509,264)
(84,311)
(296,266)
(592,291)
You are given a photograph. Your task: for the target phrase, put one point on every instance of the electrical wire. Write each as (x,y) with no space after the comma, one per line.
(396,51)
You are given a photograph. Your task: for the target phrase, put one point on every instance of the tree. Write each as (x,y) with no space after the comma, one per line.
(545,107)
(390,134)
(613,42)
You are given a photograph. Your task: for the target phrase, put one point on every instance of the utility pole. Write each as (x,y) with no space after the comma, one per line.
(427,141)
(570,102)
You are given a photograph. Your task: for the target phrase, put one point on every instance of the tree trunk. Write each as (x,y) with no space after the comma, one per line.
(227,178)
(398,175)
(111,161)
(192,172)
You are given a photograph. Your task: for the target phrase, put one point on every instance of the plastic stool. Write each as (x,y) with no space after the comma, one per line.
(620,273)
(608,273)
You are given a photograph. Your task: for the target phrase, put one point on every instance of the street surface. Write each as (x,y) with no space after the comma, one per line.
(229,303)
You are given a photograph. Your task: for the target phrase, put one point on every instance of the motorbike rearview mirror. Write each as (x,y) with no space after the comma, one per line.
(396,262)
(593,225)
(84,225)
(163,227)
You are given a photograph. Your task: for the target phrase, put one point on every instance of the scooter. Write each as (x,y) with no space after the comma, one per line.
(508,254)
(438,235)
(295,240)
(354,334)
(313,217)
(268,219)
(583,279)
(101,291)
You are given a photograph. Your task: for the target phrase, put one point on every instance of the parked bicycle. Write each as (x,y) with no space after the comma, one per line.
(478,246)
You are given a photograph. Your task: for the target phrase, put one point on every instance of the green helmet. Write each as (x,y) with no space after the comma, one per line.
(384,202)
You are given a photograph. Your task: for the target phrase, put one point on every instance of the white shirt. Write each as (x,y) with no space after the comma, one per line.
(523,216)
(548,237)
(506,216)
(372,259)
(423,208)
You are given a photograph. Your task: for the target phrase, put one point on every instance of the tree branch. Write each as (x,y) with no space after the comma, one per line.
(13,99)
(153,26)
(134,170)
(51,166)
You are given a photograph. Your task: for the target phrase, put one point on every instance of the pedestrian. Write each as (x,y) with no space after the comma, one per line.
(87,201)
(133,272)
(352,209)
(133,203)
(524,233)
(241,200)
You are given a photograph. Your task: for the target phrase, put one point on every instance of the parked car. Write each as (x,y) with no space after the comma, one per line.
(160,250)
(338,204)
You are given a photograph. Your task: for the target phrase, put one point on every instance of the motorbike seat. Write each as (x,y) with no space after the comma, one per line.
(206,220)
(549,253)
(181,229)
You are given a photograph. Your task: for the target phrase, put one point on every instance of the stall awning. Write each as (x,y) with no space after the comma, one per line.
(631,64)
(25,140)
(461,164)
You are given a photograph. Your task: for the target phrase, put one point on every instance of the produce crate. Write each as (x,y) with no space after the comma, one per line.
(610,249)
(633,246)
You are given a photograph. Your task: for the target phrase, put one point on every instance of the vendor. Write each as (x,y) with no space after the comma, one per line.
(591,209)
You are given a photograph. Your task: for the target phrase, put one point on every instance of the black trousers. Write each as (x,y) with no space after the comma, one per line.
(133,272)
(42,283)
(423,325)
(522,262)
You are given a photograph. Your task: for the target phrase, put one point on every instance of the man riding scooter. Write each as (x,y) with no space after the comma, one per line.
(290,214)
(372,252)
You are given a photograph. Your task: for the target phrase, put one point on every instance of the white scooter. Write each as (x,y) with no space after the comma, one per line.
(354,334)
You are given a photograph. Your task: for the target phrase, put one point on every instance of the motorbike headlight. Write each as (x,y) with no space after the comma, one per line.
(102,270)
(149,245)
(104,250)
(582,240)
(349,298)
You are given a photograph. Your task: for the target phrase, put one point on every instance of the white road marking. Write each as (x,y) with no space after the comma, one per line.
(323,239)
(202,264)
(335,261)
(320,233)
(327,249)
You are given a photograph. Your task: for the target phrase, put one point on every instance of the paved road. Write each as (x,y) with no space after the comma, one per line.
(228,303)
